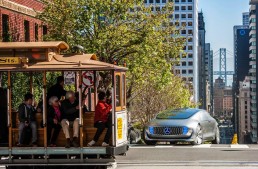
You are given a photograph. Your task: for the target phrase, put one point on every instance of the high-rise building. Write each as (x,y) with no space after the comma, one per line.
(244,123)
(241,66)
(186,14)
(208,62)
(18,21)
(245,18)
(253,67)
(219,86)
(201,61)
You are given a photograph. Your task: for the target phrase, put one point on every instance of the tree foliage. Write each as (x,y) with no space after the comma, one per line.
(125,31)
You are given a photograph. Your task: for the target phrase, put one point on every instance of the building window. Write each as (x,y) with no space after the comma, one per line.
(183,8)
(164,1)
(190,23)
(176,8)
(190,39)
(176,1)
(44,30)
(177,16)
(190,15)
(253,27)
(183,16)
(157,8)
(190,8)
(190,47)
(190,32)
(253,35)
(253,43)
(190,55)
(177,72)
(36,32)
(190,71)
(183,71)
(190,0)
(190,63)
(157,1)
(253,20)
(27,30)
(183,23)
(183,63)
(145,1)
(183,32)
(253,51)
(5,28)
(183,1)
(190,79)
(151,1)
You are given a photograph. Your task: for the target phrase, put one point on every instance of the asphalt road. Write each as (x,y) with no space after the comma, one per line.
(183,156)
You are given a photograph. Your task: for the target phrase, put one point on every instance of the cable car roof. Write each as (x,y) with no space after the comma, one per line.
(65,62)
(48,44)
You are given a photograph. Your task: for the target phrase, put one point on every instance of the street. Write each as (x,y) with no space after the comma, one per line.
(184,156)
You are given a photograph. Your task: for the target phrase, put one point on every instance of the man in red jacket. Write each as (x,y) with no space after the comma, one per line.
(103,119)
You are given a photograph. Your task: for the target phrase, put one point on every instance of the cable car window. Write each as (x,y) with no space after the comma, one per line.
(123,90)
(118,93)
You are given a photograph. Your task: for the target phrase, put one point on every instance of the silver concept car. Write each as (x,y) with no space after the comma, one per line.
(182,125)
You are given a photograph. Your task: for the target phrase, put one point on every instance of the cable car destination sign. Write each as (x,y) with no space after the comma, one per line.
(10,60)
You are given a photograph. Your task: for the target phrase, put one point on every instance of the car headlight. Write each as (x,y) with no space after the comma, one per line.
(151,129)
(187,130)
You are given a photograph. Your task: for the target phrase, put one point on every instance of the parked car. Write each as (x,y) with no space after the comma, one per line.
(182,125)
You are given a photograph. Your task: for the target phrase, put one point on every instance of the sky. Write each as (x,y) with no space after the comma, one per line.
(220,17)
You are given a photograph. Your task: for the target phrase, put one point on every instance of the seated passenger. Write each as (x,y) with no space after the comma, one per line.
(27,119)
(54,119)
(103,119)
(70,118)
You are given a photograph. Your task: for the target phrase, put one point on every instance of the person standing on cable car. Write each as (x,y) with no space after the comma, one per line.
(57,89)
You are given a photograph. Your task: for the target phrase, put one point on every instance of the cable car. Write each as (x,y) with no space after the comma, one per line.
(41,58)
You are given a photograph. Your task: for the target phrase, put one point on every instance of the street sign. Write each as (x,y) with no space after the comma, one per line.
(10,60)
(88,78)
(69,78)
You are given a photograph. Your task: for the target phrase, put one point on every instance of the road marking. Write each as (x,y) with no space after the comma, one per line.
(203,146)
(238,146)
(164,146)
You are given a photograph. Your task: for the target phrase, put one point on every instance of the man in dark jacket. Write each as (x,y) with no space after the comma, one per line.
(27,119)
(70,117)
(57,90)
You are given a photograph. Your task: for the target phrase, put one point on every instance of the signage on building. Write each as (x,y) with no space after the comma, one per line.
(10,60)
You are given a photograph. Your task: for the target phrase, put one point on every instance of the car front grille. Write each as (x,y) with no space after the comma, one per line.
(168,131)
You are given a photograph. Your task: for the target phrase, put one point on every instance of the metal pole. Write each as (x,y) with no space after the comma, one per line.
(80,109)
(113,109)
(44,108)
(9,108)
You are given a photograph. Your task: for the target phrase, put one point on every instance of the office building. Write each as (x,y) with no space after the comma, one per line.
(244,123)
(209,77)
(186,13)
(241,66)
(245,18)
(18,21)
(201,61)
(253,67)
(219,86)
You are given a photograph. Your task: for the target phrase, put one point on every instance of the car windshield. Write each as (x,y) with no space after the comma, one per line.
(177,114)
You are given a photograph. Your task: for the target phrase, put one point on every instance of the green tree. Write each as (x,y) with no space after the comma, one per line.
(123,31)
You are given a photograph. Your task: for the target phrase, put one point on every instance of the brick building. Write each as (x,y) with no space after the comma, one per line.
(18,20)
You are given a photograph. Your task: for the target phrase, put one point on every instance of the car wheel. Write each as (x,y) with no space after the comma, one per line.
(199,136)
(217,137)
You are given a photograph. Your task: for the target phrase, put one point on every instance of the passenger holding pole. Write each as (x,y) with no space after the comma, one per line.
(103,119)
(27,120)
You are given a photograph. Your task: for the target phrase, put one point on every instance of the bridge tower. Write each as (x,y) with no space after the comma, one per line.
(223,64)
